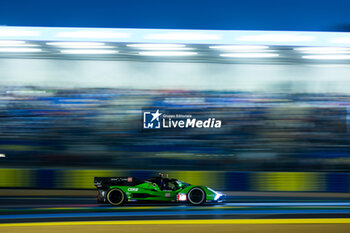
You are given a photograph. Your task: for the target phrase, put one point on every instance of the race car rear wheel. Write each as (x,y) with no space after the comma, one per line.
(196,196)
(116,197)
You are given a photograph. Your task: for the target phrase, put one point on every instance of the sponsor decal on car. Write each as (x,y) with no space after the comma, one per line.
(133,189)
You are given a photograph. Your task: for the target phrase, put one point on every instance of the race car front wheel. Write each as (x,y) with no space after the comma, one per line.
(116,197)
(196,196)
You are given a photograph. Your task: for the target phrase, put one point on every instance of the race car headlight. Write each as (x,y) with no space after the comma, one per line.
(217,194)
(181,197)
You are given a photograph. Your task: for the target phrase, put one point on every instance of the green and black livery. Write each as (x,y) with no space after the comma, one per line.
(119,190)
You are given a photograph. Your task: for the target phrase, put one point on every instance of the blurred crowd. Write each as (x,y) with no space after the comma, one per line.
(102,128)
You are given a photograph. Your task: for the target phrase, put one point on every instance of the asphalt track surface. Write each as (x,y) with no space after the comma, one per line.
(257,208)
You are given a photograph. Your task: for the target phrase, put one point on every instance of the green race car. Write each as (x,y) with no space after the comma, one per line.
(119,190)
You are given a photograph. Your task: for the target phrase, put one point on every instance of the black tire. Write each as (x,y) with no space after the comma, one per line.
(116,197)
(196,196)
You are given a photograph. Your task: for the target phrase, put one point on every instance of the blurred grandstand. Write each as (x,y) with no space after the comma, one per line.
(101,128)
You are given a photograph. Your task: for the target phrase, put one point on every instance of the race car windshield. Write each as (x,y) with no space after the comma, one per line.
(182,184)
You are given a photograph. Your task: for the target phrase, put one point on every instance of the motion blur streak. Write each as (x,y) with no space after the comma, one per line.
(193,221)
(102,128)
(289,181)
(205,228)
(221,180)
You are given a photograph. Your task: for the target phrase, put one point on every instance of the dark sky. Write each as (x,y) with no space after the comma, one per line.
(304,15)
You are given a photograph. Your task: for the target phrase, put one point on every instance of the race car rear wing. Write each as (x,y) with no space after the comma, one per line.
(106,182)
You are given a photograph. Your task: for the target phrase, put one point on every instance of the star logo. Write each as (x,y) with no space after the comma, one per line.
(156,115)
(151,120)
